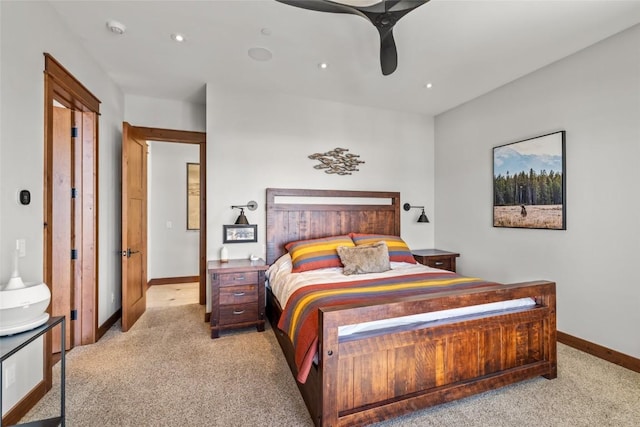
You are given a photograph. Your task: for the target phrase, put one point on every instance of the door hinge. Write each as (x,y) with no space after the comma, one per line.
(74,132)
(74,314)
(74,254)
(74,193)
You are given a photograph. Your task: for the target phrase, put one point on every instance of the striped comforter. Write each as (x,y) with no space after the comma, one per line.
(299,318)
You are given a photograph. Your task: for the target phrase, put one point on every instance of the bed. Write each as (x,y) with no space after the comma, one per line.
(365,378)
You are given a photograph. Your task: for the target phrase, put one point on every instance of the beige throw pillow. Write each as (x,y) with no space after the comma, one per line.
(364,259)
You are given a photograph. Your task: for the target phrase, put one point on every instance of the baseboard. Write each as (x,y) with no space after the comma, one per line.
(24,405)
(108,324)
(207,317)
(604,353)
(173,280)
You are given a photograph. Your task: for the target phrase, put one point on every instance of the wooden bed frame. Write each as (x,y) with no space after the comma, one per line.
(359,381)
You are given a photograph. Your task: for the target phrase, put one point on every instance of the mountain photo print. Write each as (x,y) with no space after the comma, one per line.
(529,183)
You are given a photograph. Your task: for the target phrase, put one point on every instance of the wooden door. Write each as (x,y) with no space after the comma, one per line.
(134,225)
(62,223)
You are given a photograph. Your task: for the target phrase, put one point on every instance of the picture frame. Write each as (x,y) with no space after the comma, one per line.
(239,233)
(193,196)
(529,183)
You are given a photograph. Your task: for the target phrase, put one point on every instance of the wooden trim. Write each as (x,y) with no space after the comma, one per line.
(71,87)
(203,224)
(25,404)
(170,135)
(207,317)
(173,280)
(108,324)
(190,137)
(599,351)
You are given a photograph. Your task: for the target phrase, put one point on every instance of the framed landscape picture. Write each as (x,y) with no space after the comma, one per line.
(239,233)
(193,196)
(529,183)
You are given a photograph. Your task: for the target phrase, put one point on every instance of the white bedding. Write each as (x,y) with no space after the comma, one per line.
(283,283)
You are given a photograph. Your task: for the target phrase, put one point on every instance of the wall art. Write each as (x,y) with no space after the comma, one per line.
(337,161)
(239,233)
(529,183)
(193,196)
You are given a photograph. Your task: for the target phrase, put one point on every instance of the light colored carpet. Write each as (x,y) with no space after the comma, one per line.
(166,371)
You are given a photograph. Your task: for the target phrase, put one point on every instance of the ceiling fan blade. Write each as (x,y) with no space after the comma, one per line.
(388,51)
(383,15)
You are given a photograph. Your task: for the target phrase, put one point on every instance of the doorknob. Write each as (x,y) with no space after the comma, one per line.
(129,252)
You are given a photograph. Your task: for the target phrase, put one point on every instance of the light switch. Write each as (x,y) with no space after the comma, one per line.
(169,224)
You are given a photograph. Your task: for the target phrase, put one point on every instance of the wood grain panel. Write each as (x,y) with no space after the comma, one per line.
(287,222)
(370,373)
(61,223)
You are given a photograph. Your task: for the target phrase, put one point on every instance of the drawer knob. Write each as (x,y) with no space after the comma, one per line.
(439,263)
(238,311)
(238,294)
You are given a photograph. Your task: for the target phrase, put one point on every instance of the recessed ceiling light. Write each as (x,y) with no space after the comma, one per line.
(428,85)
(178,37)
(323,65)
(260,54)
(116,27)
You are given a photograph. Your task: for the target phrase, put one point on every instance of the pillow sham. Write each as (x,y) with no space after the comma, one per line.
(313,254)
(282,266)
(398,250)
(364,258)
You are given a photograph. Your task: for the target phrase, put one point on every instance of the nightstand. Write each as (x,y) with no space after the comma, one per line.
(237,294)
(436,258)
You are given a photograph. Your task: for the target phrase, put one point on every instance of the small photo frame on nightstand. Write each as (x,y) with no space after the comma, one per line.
(239,233)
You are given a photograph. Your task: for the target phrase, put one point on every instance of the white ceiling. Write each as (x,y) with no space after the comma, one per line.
(464,48)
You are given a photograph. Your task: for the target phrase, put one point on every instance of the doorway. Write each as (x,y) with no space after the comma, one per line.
(134,279)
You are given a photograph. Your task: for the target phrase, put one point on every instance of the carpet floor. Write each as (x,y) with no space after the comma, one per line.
(166,371)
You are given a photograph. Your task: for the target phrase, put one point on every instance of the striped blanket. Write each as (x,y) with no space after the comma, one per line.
(299,317)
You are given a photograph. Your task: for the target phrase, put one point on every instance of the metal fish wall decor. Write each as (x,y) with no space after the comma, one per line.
(337,161)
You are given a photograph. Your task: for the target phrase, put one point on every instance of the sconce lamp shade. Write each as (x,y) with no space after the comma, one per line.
(242,219)
(422,217)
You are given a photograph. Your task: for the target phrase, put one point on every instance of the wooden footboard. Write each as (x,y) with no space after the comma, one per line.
(359,381)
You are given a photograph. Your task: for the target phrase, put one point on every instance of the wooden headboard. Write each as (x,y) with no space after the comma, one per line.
(297,214)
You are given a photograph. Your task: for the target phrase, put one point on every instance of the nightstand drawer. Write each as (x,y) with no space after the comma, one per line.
(238,294)
(238,313)
(233,279)
(436,258)
(441,263)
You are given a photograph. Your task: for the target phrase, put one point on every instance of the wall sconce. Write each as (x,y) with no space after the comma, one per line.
(422,217)
(242,219)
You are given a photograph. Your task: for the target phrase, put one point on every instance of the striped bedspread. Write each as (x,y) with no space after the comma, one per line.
(299,318)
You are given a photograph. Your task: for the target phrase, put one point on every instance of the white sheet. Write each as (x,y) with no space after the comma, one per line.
(284,283)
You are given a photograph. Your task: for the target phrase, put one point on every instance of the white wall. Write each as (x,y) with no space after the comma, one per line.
(164,113)
(595,96)
(173,251)
(263,140)
(22,144)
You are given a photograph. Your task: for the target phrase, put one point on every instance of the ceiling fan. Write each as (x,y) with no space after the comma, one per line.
(383,14)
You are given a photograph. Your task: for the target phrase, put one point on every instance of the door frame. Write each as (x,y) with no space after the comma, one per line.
(199,138)
(61,86)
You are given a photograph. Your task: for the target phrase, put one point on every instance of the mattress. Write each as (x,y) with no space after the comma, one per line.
(283,283)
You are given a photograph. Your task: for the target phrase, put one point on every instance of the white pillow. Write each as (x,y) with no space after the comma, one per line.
(281,267)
